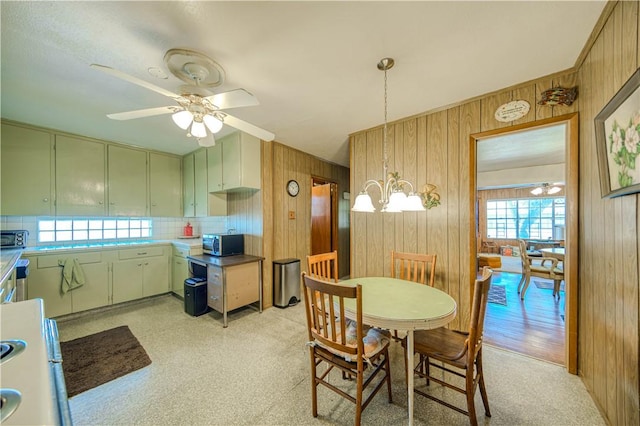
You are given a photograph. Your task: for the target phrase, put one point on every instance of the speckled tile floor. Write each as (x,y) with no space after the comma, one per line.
(256,372)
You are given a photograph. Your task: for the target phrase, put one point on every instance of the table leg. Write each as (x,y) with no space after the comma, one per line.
(410,375)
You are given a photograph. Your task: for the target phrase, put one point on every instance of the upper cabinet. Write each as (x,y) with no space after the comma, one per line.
(80,176)
(27,183)
(127,181)
(234,163)
(165,185)
(197,200)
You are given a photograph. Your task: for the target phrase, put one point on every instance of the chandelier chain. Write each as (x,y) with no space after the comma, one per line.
(384,134)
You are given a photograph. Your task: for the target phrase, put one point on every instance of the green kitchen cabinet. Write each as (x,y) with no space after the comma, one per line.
(127,181)
(26,170)
(140,272)
(234,163)
(165,185)
(198,202)
(179,273)
(155,276)
(127,280)
(45,282)
(80,176)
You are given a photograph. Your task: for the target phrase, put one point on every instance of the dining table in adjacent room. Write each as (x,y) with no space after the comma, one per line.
(555,252)
(396,304)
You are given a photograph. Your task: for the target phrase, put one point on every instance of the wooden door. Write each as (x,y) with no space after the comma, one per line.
(321,219)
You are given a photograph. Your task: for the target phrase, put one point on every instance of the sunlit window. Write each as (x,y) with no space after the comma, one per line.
(525,218)
(92,229)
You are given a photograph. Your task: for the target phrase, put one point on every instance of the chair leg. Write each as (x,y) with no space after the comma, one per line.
(483,390)
(526,286)
(471,408)
(556,289)
(359,398)
(314,385)
(388,372)
(521,283)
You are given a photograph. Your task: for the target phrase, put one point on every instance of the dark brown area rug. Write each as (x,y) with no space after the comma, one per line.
(99,358)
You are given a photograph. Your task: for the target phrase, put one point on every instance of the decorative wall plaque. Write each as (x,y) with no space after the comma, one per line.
(512,111)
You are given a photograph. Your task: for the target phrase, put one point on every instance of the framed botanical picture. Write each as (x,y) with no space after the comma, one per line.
(618,141)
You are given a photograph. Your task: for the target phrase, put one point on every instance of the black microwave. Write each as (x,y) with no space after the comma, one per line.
(14,239)
(223,244)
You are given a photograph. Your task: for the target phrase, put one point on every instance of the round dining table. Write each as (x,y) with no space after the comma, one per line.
(396,304)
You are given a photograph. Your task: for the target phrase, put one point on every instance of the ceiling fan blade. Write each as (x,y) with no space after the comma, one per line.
(248,128)
(134,80)
(233,99)
(149,112)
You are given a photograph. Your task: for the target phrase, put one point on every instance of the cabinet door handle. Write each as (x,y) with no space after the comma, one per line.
(178,263)
(146,263)
(100,202)
(45,200)
(139,264)
(112,203)
(153,204)
(142,253)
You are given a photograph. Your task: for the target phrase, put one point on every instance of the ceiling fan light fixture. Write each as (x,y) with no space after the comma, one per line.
(198,130)
(214,124)
(536,191)
(182,119)
(207,142)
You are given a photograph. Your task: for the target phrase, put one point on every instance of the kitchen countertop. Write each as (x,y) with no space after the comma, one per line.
(190,243)
(8,260)
(225,260)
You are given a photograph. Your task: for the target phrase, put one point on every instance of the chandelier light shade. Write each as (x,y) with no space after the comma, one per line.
(393,198)
(213,123)
(546,189)
(198,130)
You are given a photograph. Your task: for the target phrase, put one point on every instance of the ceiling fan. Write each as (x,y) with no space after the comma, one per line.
(196,109)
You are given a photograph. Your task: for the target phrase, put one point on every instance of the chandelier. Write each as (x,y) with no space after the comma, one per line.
(546,189)
(198,116)
(392,191)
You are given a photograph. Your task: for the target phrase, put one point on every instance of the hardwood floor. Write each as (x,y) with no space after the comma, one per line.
(534,326)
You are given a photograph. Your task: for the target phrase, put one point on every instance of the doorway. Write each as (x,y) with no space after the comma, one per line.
(324,219)
(569,123)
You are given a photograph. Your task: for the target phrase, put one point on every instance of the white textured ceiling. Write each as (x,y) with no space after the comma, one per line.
(312,65)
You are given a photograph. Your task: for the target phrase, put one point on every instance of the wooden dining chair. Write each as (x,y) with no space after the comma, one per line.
(548,268)
(461,350)
(343,344)
(324,266)
(420,268)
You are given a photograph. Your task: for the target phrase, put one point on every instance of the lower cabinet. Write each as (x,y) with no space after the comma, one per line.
(113,276)
(45,282)
(179,273)
(145,275)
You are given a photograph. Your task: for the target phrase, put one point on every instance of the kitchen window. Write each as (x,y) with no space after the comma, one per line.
(92,229)
(525,218)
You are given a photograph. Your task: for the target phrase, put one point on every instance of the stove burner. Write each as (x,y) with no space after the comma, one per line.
(10,349)
(9,401)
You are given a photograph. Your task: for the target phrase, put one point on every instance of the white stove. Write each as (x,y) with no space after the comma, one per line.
(32,389)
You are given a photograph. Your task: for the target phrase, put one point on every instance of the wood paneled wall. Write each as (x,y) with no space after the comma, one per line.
(434,147)
(608,327)
(281,237)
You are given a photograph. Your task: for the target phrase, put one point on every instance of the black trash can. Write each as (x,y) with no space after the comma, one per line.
(195,296)
(286,282)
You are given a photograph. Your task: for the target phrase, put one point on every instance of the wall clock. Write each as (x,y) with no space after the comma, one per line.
(293,188)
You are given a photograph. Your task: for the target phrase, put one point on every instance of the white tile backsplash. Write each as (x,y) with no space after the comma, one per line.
(163,228)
